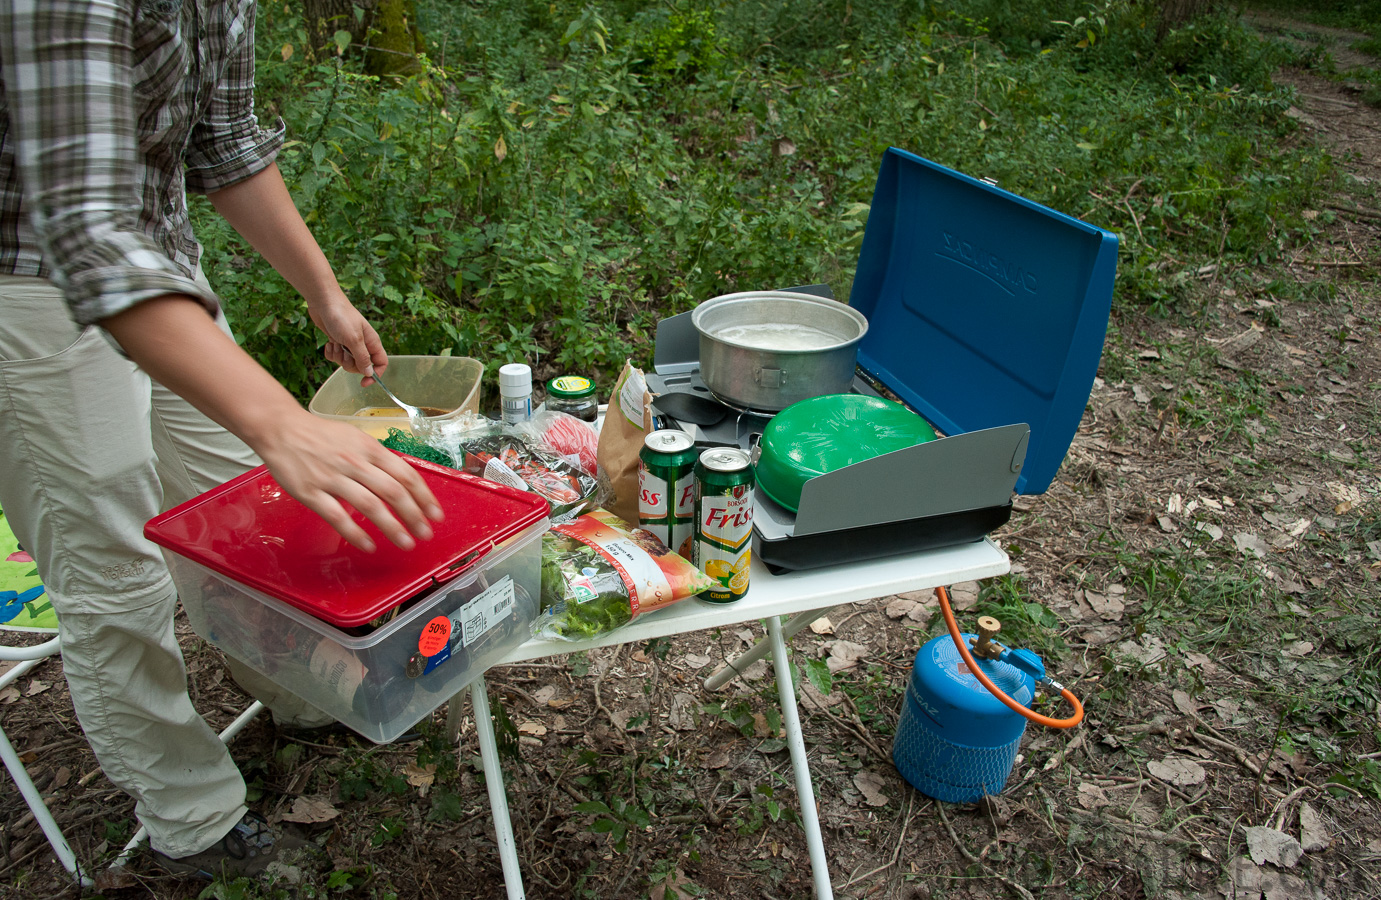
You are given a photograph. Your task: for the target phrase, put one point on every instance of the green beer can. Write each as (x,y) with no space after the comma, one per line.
(723,546)
(666,488)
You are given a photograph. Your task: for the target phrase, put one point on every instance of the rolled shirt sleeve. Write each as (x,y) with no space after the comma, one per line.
(227,144)
(69,92)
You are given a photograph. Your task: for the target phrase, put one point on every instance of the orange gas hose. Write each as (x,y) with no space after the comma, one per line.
(984,680)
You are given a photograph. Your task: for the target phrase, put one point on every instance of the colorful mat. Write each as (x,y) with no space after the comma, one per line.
(24,605)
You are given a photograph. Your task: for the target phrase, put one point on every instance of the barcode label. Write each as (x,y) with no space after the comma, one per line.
(486,610)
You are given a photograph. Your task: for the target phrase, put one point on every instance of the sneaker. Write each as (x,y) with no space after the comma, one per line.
(245,851)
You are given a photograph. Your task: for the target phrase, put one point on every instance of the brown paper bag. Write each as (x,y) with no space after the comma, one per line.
(627,421)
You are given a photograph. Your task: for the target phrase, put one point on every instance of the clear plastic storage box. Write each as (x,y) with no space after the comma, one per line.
(380,640)
(444,386)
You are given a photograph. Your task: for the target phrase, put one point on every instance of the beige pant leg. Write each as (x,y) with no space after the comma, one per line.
(79,481)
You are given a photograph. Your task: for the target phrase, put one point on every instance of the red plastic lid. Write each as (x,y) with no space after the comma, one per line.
(250,530)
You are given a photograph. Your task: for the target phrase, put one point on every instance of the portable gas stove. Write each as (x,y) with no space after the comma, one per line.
(987,314)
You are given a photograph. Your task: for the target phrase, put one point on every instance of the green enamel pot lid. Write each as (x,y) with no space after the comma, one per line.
(824,434)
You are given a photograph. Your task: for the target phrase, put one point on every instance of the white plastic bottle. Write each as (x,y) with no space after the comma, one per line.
(515,391)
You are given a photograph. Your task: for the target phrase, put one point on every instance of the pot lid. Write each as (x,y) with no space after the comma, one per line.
(984,308)
(250,530)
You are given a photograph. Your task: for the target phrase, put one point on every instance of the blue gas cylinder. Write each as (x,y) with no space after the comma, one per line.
(956,741)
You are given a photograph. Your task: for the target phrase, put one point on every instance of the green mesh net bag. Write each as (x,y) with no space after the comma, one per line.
(404,442)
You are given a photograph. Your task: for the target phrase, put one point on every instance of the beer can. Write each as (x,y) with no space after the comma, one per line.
(723,547)
(666,488)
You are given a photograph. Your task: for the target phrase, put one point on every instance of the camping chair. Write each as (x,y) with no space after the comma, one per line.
(28,658)
(23,609)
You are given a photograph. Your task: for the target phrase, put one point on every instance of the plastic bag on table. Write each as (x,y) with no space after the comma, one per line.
(598,572)
(509,456)
(576,440)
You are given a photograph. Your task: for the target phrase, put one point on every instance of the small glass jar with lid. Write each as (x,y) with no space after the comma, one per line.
(575,395)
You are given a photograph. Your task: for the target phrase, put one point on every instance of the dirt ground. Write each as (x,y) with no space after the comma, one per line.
(1191,776)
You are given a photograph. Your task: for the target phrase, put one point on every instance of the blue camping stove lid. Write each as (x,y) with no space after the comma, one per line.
(984,308)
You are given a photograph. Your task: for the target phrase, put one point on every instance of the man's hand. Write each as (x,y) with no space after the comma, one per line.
(351,342)
(325,464)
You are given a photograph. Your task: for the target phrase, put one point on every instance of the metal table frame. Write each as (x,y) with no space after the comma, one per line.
(804,595)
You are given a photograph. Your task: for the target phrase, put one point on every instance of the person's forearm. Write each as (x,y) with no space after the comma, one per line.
(262,211)
(181,347)
(330,467)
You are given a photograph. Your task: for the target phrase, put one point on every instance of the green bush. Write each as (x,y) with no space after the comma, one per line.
(561,176)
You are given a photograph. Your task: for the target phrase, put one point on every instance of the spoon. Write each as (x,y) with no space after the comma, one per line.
(416,418)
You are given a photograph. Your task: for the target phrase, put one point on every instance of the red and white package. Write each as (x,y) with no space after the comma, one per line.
(568,436)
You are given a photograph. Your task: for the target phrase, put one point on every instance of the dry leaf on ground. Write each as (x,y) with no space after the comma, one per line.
(1181,772)
(898,607)
(1313,834)
(1249,882)
(812,695)
(1091,796)
(310,810)
(682,715)
(421,777)
(1299,649)
(1269,845)
(870,784)
(844,655)
(1250,544)
(963,596)
(720,757)
(1107,606)
(1149,651)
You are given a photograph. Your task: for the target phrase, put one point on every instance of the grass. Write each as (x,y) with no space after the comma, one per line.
(1363,15)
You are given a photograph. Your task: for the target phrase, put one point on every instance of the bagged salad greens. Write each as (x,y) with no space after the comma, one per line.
(598,572)
(509,455)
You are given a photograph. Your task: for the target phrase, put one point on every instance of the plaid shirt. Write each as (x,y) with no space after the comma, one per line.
(111,110)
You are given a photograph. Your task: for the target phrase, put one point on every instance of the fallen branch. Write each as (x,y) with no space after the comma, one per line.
(1059,758)
(896,854)
(1356,211)
(1017,889)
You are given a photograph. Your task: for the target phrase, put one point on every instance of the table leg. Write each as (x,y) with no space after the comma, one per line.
(734,667)
(795,741)
(498,800)
(454,716)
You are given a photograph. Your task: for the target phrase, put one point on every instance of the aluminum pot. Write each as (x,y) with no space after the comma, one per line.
(766,350)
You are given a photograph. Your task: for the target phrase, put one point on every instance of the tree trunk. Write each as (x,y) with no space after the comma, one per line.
(384,30)
(1174,13)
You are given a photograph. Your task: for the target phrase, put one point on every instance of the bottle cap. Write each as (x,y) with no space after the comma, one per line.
(570,387)
(515,380)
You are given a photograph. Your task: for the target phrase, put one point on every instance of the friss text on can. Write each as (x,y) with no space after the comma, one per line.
(666,488)
(724,522)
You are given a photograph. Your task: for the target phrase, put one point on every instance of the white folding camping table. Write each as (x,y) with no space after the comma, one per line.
(803,595)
